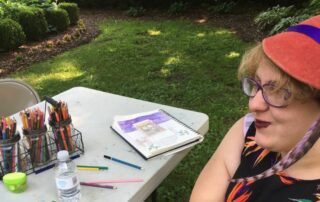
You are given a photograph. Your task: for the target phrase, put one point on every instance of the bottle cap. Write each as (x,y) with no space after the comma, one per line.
(63,155)
(15,182)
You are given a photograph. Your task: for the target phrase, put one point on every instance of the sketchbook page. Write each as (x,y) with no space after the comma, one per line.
(153,132)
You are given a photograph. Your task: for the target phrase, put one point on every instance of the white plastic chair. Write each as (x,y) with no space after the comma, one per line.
(16,95)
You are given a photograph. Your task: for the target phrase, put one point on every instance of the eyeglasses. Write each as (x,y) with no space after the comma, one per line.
(272,96)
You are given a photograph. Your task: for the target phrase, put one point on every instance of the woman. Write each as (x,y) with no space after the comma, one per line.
(272,153)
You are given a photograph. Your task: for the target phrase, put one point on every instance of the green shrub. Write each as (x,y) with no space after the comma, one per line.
(135,11)
(287,22)
(222,7)
(37,3)
(177,8)
(1,13)
(6,8)
(268,19)
(11,34)
(32,21)
(313,8)
(277,19)
(72,10)
(57,19)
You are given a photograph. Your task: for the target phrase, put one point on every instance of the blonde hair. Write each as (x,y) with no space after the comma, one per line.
(251,61)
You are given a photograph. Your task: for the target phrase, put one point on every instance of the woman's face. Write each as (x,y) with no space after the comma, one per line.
(279,129)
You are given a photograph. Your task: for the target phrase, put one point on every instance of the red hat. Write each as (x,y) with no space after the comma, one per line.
(297,51)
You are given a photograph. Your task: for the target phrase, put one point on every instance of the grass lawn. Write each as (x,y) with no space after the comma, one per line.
(178,63)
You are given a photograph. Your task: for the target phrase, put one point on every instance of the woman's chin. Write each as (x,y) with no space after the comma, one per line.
(264,142)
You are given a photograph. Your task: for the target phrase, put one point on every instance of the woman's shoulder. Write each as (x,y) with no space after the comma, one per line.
(236,130)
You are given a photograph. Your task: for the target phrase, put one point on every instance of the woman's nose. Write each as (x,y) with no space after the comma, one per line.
(257,103)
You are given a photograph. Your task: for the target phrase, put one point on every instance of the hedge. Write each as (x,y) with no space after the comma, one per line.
(57,19)
(32,21)
(72,10)
(125,4)
(11,34)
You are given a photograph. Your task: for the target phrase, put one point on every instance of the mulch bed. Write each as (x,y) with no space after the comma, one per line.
(87,30)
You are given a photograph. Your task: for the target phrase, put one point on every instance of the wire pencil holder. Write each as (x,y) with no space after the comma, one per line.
(37,150)
(25,158)
(14,157)
(36,142)
(76,141)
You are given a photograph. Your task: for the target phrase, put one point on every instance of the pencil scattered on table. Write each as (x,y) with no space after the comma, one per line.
(9,148)
(35,130)
(123,162)
(60,120)
(115,181)
(92,168)
(98,185)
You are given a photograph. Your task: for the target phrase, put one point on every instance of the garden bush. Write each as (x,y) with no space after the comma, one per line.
(95,3)
(72,10)
(269,18)
(313,8)
(287,22)
(1,13)
(277,19)
(6,8)
(32,20)
(57,19)
(222,7)
(125,4)
(44,4)
(177,8)
(11,34)
(135,11)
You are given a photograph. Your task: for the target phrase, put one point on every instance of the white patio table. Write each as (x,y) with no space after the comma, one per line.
(92,112)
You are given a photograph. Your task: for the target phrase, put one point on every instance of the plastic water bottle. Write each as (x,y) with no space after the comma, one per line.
(67,181)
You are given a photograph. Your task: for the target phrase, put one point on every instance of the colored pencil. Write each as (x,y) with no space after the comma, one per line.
(90,169)
(115,181)
(123,162)
(64,139)
(98,185)
(95,167)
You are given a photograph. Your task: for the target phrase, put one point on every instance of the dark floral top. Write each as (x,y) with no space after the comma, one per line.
(278,187)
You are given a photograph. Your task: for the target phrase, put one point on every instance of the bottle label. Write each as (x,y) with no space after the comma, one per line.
(66,183)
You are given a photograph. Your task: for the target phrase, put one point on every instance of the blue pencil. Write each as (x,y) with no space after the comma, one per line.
(123,162)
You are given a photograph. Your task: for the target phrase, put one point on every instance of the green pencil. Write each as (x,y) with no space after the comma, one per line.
(97,167)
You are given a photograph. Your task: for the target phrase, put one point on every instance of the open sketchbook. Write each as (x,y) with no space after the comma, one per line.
(155,132)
